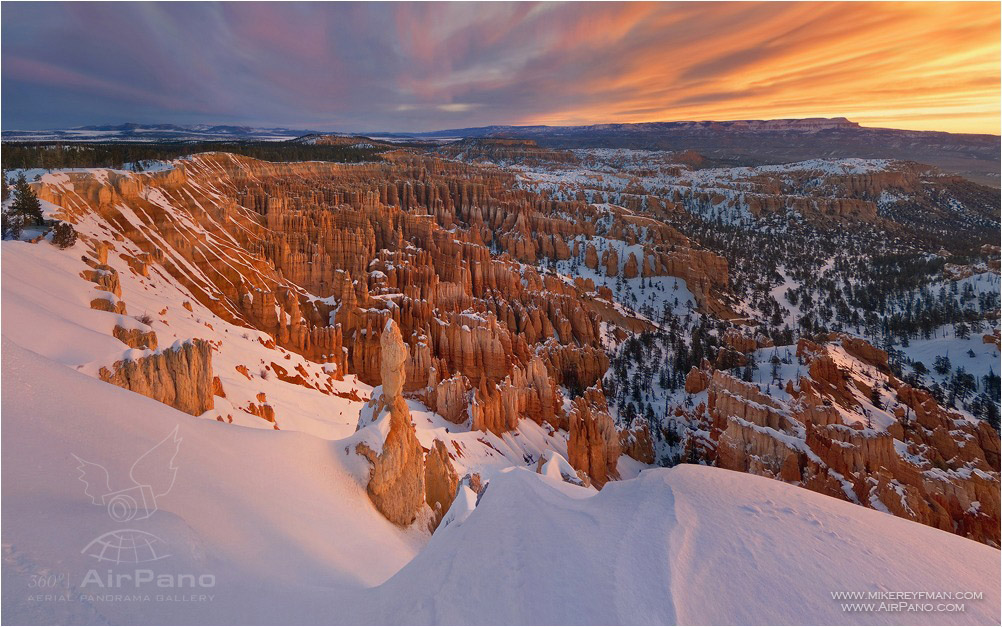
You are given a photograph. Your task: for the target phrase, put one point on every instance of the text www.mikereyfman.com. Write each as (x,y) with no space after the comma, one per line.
(905,601)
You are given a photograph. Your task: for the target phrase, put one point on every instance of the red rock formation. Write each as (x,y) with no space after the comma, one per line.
(591,257)
(864,351)
(449,398)
(529,394)
(630,270)
(743,447)
(931,465)
(696,381)
(440,480)
(321,255)
(396,483)
(637,443)
(106,279)
(739,341)
(610,259)
(136,338)
(593,446)
(264,411)
(180,376)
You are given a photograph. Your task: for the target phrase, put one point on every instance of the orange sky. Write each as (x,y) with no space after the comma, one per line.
(926,66)
(429,65)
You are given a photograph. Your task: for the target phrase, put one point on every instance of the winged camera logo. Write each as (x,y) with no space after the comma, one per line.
(150,477)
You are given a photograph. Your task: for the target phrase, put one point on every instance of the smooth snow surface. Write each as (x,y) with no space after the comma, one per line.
(688,545)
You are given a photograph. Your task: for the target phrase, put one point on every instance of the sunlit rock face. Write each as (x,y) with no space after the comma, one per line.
(179,376)
(593,446)
(923,462)
(396,483)
(321,255)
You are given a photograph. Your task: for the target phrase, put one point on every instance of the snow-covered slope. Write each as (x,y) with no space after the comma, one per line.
(263,512)
(46,306)
(687,545)
(280,524)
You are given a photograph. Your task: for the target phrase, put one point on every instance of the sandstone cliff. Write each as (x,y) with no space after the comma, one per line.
(320,256)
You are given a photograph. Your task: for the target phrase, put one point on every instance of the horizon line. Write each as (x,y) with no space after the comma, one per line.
(509,125)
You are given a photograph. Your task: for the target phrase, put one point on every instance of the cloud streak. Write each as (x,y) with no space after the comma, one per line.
(422,66)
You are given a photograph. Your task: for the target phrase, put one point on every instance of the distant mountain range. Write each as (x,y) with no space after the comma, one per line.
(741,142)
(804,125)
(132,132)
(760,142)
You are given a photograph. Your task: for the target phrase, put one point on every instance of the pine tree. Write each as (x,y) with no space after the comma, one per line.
(64,235)
(875,396)
(10,228)
(25,207)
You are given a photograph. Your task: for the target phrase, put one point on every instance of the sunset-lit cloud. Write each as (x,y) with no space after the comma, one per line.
(424,66)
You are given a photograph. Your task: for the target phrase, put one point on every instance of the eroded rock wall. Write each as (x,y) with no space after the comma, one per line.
(179,376)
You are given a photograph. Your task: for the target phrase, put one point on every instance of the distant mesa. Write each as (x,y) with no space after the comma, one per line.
(729,142)
(339,139)
(505,150)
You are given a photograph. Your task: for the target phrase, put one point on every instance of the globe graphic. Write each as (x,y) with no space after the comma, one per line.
(127,546)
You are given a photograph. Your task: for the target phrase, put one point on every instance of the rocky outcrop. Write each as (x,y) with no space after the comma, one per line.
(866,352)
(593,446)
(636,442)
(449,398)
(105,277)
(440,481)
(739,341)
(110,304)
(826,378)
(630,270)
(929,464)
(696,381)
(728,358)
(524,394)
(136,338)
(396,483)
(951,437)
(851,452)
(816,412)
(610,259)
(264,411)
(745,447)
(179,376)
(591,257)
